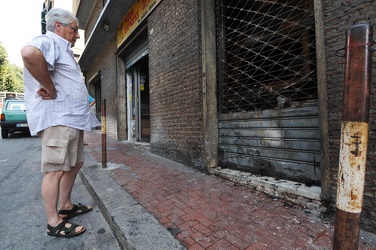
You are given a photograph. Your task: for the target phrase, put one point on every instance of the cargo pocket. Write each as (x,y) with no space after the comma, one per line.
(56,151)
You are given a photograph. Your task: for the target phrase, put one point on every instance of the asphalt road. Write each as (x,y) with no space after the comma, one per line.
(22,217)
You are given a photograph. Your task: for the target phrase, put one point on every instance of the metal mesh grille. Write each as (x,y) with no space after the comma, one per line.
(266,54)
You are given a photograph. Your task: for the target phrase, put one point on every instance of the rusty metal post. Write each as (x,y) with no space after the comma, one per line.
(104,141)
(354,136)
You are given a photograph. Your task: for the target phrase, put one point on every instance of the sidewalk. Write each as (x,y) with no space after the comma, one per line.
(148,199)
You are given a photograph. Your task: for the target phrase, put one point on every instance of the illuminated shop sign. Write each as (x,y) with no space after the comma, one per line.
(135,15)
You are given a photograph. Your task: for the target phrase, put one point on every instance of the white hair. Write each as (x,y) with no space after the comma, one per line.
(62,16)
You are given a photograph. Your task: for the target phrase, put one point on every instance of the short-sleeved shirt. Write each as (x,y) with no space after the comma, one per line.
(70,108)
(90,99)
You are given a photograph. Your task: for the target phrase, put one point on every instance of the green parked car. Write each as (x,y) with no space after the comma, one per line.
(13,117)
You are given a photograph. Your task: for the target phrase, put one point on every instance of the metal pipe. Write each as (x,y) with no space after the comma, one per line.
(104,141)
(354,136)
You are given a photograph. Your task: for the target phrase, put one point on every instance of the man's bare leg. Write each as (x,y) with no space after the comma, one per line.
(66,186)
(50,193)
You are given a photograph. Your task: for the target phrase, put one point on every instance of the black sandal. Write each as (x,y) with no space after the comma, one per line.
(76,210)
(67,231)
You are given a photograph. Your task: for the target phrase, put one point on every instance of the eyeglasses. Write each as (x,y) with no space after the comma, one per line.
(75,29)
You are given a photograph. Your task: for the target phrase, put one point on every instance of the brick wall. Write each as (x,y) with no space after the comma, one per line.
(93,19)
(338,17)
(175,82)
(106,64)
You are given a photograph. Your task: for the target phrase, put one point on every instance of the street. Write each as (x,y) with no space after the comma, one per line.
(22,218)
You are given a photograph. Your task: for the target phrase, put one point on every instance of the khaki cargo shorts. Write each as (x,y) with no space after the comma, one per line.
(62,148)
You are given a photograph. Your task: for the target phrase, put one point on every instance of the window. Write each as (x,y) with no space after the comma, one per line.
(266,54)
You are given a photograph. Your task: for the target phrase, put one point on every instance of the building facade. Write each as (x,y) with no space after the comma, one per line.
(248,90)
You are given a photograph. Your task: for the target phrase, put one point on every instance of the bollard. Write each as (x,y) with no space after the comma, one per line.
(354,137)
(104,141)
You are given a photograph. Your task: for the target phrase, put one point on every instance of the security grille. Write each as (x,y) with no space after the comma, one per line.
(266,54)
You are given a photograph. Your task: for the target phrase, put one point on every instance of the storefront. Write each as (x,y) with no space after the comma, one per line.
(133,44)
(236,86)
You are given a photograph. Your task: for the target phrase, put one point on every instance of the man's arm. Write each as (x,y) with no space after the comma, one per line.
(36,64)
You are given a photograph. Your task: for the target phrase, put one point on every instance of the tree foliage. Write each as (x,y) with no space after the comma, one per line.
(11,75)
(3,56)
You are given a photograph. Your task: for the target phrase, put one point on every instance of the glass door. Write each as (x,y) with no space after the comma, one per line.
(138,105)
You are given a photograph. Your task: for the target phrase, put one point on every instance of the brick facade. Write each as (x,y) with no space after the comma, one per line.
(109,88)
(175,85)
(105,63)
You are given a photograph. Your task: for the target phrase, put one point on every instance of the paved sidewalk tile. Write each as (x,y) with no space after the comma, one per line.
(207,212)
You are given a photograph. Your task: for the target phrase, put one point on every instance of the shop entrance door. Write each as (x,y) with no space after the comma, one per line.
(138,104)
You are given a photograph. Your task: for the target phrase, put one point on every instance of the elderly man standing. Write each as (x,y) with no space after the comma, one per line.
(58,111)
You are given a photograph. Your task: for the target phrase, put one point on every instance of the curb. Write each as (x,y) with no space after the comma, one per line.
(133,226)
